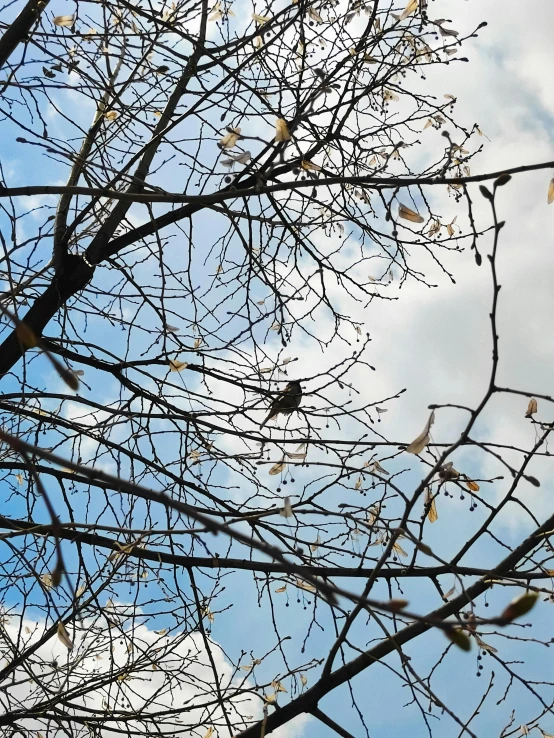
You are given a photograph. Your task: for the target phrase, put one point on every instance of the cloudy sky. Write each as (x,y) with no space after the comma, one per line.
(436,343)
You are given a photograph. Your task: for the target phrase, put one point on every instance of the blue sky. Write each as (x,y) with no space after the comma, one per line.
(445,334)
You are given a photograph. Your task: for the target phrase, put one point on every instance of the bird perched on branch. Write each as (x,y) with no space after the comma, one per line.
(286,402)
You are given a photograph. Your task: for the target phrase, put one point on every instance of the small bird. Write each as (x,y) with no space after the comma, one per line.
(287,402)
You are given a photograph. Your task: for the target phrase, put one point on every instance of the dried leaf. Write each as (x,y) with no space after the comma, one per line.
(286,511)
(532,408)
(63,635)
(314,15)
(161,632)
(281,589)
(315,546)
(471,485)
(111,115)
(281,130)
(291,455)
(359,482)
(177,366)
(408,214)
(46,580)
(380,540)
(197,343)
(550,198)
(305,586)
(398,549)
(410,8)
(430,504)
(310,166)
(260,18)
(447,31)
(303,680)
(277,468)
(230,139)
(471,622)
(277,686)
(378,468)
(435,228)
(485,646)
(209,732)
(417,445)
(64,21)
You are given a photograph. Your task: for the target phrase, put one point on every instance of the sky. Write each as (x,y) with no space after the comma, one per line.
(436,344)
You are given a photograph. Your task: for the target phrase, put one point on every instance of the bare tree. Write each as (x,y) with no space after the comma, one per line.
(242,185)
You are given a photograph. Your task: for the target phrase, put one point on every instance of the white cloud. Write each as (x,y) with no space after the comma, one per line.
(156,676)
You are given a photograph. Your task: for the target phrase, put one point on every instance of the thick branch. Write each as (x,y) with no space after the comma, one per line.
(73,278)
(19,29)
(249,191)
(72,533)
(310,699)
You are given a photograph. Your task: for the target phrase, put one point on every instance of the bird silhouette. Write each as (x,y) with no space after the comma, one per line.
(286,402)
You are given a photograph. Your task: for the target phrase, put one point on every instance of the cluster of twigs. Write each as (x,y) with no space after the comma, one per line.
(242,184)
